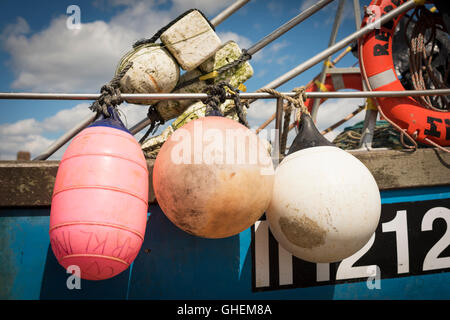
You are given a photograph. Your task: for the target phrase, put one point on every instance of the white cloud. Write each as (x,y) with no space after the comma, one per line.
(277,46)
(260,111)
(25,126)
(330,9)
(11,144)
(64,60)
(29,134)
(306,4)
(243,42)
(333,110)
(66,118)
(59,59)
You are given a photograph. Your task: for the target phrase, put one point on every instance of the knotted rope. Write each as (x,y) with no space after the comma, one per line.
(217,94)
(155,121)
(110,94)
(297,102)
(245,56)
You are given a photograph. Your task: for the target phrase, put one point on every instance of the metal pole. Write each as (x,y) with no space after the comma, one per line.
(221,17)
(66,137)
(336,60)
(341,44)
(370,118)
(288,26)
(357,11)
(278,118)
(345,119)
(368,131)
(69,135)
(334,31)
(242,95)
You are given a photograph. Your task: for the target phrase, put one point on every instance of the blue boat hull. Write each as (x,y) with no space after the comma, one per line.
(175,265)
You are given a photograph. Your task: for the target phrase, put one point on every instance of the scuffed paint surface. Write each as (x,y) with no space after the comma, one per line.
(23,250)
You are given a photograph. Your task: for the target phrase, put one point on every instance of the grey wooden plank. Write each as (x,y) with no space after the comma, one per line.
(30,183)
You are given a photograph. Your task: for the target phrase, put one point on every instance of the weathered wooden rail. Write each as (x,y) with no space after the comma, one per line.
(30,183)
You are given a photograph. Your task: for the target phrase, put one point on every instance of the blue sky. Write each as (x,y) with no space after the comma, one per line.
(38,53)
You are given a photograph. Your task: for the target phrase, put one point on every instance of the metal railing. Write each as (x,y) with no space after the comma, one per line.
(325,54)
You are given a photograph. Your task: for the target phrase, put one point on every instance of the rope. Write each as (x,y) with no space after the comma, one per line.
(422,72)
(392,123)
(110,94)
(155,121)
(309,84)
(217,94)
(245,56)
(298,100)
(437,145)
(419,61)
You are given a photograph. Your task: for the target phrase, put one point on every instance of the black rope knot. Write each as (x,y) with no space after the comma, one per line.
(155,121)
(245,56)
(110,94)
(217,95)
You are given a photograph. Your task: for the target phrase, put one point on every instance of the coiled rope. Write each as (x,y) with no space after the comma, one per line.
(422,48)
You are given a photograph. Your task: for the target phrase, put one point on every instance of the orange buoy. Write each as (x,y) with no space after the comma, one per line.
(213,177)
(99,205)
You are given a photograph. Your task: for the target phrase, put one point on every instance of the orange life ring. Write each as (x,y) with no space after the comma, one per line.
(377,63)
(334,82)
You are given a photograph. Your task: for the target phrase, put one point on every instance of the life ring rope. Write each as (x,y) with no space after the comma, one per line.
(412,119)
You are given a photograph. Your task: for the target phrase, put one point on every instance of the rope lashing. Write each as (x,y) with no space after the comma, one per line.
(155,121)
(165,28)
(422,49)
(238,104)
(110,94)
(217,95)
(245,56)
(298,100)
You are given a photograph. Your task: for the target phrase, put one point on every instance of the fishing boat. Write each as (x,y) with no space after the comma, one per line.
(405,256)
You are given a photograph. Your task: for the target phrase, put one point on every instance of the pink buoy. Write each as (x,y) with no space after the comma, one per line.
(99,206)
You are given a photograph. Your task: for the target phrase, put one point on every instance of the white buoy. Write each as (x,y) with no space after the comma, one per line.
(325,204)
(154,70)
